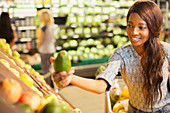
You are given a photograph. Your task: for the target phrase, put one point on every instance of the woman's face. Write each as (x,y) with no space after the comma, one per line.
(41,18)
(137,30)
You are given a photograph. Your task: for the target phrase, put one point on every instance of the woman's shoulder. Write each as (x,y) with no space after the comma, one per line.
(43,28)
(123,49)
(165,44)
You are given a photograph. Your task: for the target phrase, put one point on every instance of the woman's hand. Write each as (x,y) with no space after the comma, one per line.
(63,79)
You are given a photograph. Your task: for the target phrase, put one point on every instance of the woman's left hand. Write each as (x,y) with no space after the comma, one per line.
(63,79)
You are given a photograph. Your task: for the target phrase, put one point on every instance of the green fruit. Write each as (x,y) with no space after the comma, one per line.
(100,69)
(27,79)
(25,108)
(51,98)
(55,107)
(77,110)
(62,62)
(16,54)
(9,52)
(51,107)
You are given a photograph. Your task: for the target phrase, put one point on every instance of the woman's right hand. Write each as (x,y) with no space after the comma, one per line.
(63,79)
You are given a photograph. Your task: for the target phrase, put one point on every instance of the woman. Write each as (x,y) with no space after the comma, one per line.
(144,64)
(46,40)
(6,30)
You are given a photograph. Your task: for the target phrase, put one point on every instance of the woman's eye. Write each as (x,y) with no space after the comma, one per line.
(142,28)
(129,25)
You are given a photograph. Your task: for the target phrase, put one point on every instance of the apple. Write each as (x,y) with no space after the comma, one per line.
(73,43)
(11,89)
(9,51)
(12,61)
(37,91)
(2,41)
(25,108)
(90,41)
(51,97)
(15,72)
(31,99)
(5,62)
(27,79)
(27,66)
(16,54)
(5,46)
(21,62)
(77,110)
(43,102)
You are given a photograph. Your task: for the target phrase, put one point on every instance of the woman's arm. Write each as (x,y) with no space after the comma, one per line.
(95,86)
(40,39)
(92,85)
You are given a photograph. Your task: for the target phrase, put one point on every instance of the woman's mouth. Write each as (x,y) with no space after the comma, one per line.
(136,39)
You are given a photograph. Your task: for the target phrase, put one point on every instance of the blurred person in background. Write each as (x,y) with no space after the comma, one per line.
(7,29)
(46,46)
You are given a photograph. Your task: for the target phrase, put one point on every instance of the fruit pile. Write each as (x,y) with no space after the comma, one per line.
(38,96)
(13,92)
(119,98)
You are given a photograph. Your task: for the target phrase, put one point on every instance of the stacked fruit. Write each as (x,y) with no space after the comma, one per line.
(39,99)
(31,101)
(14,56)
(119,98)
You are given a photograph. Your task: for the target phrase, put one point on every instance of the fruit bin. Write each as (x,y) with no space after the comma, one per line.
(109,105)
(11,68)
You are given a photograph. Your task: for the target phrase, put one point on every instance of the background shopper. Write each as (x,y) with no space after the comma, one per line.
(144,64)
(7,29)
(46,40)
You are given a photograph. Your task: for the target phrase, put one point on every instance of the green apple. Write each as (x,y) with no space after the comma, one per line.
(9,52)
(15,54)
(90,41)
(15,72)
(77,110)
(97,42)
(21,62)
(5,62)
(51,98)
(27,79)
(27,66)
(73,43)
(116,39)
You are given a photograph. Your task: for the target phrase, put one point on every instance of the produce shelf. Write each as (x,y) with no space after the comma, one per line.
(89,61)
(83,62)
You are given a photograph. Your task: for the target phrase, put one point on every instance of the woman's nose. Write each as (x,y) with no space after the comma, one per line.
(135,30)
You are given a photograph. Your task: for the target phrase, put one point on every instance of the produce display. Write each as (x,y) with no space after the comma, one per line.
(25,88)
(119,97)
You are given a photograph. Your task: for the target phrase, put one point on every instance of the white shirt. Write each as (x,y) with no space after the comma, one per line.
(128,62)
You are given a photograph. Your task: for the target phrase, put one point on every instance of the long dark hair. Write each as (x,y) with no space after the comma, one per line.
(155,54)
(5,27)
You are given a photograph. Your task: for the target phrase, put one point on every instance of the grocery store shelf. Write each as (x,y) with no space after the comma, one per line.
(27,28)
(87,70)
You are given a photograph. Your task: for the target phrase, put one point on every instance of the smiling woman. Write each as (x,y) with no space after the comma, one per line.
(144,24)
(142,63)
(138,32)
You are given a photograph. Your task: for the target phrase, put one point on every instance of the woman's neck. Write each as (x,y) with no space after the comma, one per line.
(140,50)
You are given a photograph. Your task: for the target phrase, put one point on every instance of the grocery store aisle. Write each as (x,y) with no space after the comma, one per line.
(86,101)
